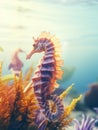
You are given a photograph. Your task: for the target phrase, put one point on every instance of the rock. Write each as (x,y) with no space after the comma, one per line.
(91,96)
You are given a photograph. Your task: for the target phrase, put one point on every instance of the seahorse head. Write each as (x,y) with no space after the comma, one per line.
(39,45)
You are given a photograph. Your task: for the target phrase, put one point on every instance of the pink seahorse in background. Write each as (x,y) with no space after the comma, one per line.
(16,64)
(44,80)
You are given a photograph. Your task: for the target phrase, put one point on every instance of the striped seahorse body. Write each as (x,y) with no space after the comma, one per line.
(46,75)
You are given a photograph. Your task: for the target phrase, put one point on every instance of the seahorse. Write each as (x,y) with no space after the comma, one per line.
(46,76)
(16,64)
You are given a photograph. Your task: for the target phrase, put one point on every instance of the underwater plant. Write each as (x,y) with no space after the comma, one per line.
(87,123)
(16,107)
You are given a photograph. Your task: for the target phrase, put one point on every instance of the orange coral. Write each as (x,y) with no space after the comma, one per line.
(16,107)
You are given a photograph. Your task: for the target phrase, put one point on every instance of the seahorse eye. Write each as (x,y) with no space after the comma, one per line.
(34,45)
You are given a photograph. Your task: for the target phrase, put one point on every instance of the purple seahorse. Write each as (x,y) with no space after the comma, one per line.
(44,81)
(16,64)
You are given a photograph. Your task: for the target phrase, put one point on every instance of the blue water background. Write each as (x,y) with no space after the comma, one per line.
(74,22)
